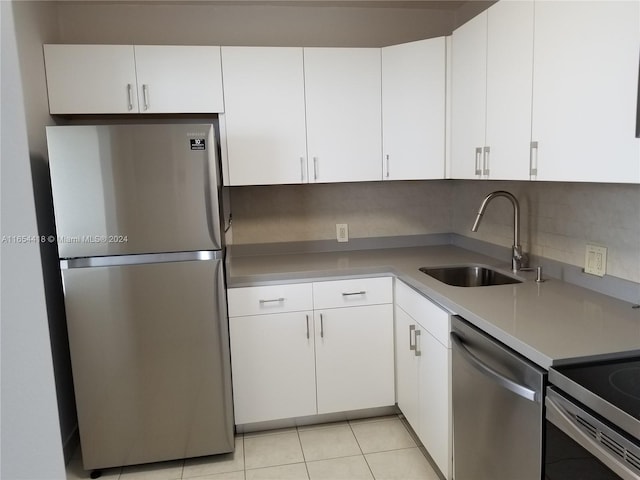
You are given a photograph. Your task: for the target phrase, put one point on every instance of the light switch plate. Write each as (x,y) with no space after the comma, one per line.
(342,232)
(595,260)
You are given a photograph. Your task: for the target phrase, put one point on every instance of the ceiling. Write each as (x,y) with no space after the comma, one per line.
(450,5)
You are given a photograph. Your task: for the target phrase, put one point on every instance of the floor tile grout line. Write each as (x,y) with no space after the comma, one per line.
(304,458)
(361,451)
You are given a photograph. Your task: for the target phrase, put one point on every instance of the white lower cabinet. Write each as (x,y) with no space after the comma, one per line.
(288,364)
(423,372)
(273,366)
(354,358)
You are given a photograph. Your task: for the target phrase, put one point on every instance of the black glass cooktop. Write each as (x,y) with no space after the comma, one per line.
(617,382)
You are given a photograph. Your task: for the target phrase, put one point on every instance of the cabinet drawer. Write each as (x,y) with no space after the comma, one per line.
(430,316)
(269,299)
(353,292)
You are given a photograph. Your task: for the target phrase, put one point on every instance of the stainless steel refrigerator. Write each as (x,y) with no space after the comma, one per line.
(140,242)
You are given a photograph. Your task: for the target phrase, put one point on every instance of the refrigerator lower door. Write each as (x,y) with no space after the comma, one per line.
(150,358)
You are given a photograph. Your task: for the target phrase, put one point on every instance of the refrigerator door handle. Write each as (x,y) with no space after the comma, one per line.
(120,260)
(212,195)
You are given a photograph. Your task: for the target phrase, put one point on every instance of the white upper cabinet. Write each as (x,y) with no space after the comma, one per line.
(584,91)
(413,110)
(91,79)
(265,115)
(94,79)
(179,79)
(509,87)
(343,105)
(469,93)
(492,85)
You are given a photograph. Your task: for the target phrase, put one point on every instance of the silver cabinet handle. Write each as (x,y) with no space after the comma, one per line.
(559,416)
(490,373)
(302,169)
(478,164)
(129,97)
(417,351)
(315,168)
(321,326)
(272,300)
(145,96)
(485,162)
(348,294)
(533,159)
(412,330)
(387,173)
(307,326)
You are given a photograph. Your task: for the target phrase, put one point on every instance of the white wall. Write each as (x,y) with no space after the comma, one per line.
(36,23)
(30,431)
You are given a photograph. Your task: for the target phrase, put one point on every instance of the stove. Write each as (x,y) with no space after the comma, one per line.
(594,407)
(610,388)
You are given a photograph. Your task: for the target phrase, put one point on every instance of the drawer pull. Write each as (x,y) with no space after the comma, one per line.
(273,300)
(348,294)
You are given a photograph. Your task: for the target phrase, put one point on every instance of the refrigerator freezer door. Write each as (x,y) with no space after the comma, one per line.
(127,189)
(150,354)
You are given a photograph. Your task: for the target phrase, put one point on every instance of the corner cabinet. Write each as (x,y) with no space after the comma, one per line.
(105,79)
(413,110)
(423,372)
(311,348)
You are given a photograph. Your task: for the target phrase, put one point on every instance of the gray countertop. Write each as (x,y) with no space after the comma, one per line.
(550,323)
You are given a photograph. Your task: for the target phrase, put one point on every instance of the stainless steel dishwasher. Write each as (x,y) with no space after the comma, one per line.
(497,408)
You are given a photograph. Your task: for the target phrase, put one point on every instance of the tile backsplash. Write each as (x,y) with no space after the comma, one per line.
(286,213)
(557,219)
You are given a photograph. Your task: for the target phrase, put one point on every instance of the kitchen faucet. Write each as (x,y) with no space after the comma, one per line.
(517,257)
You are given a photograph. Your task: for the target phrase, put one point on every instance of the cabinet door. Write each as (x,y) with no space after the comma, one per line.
(354,358)
(407,368)
(413,103)
(585,90)
(265,115)
(509,89)
(435,399)
(343,104)
(179,79)
(91,79)
(468,97)
(273,364)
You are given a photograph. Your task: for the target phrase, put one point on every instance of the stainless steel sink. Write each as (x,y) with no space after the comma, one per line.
(469,276)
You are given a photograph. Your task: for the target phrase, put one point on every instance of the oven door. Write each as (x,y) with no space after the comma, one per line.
(580,445)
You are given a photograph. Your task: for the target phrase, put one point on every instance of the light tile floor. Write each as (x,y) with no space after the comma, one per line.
(376,448)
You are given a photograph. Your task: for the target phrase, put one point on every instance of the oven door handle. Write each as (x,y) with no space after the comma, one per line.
(559,417)
(497,377)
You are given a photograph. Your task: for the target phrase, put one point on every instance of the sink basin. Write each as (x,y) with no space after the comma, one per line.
(469,276)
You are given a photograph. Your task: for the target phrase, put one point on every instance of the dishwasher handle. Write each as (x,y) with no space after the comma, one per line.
(487,371)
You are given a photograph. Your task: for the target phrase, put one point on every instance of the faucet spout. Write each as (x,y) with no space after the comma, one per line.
(517,255)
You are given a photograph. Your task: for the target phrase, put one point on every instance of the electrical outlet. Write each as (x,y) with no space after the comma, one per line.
(342,232)
(595,260)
